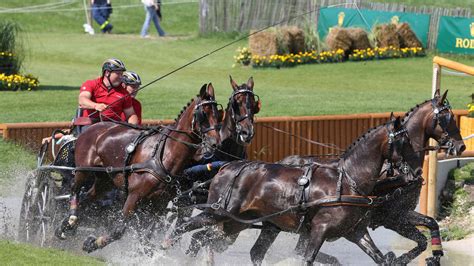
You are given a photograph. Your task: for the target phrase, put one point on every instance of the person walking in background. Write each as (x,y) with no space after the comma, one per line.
(101,10)
(150,9)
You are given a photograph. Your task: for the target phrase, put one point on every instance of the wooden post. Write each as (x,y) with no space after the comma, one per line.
(424,188)
(433,161)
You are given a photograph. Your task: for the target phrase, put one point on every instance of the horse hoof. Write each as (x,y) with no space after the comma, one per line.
(432,261)
(90,244)
(65,229)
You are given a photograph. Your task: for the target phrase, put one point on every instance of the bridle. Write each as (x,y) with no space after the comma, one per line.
(250,110)
(199,117)
(395,141)
(443,119)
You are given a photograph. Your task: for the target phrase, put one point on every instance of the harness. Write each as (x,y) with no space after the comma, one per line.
(303,196)
(154,165)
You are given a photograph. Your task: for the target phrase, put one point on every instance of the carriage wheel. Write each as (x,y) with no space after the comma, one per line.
(24,232)
(41,212)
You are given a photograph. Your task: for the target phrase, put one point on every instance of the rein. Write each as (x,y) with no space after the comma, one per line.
(331,146)
(225,46)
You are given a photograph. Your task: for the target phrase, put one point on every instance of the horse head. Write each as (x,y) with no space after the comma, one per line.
(443,125)
(201,118)
(400,151)
(243,105)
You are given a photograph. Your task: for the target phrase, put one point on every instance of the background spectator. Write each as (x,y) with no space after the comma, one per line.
(151,7)
(101,10)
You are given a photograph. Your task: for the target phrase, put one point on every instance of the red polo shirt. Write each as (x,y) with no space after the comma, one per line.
(111,97)
(137,107)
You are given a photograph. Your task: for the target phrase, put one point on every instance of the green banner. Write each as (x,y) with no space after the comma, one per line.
(456,35)
(367,19)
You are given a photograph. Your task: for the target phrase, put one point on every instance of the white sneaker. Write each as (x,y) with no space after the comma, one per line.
(88,28)
(146,36)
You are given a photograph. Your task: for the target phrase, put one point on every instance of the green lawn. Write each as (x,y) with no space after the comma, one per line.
(62,56)
(21,254)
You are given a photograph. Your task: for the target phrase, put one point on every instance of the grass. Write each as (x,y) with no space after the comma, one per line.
(23,254)
(63,57)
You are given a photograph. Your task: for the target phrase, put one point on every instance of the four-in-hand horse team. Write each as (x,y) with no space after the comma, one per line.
(200,162)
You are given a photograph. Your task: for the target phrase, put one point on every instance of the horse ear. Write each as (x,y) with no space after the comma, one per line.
(233,84)
(250,83)
(202,92)
(441,101)
(392,117)
(210,90)
(397,124)
(437,93)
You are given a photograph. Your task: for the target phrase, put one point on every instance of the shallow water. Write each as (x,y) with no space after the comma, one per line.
(128,251)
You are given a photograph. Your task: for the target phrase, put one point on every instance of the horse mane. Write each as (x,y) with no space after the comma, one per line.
(412,110)
(184,109)
(363,137)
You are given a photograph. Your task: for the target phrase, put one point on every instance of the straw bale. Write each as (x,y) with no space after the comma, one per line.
(360,38)
(263,43)
(406,36)
(292,39)
(338,38)
(386,35)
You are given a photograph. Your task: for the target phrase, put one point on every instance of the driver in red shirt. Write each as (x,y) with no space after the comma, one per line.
(105,98)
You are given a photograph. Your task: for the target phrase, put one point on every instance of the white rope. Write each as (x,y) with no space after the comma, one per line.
(468,137)
(45,10)
(454,73)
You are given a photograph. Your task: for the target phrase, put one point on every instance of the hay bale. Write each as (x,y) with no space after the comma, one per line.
(292,39)
(360,38)
(338,38)
(386,35)
(407,37)
(263,43)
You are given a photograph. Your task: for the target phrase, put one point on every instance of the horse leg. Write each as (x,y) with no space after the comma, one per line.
(140,186)
(68,225)
(302,243)
(420,219)
(322,257)
(361,237)
(317,237)
(267,236)
(196,222)
(92,243)
(408,229)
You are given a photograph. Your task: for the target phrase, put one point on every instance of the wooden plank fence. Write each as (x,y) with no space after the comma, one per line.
(246,15)
(268,144)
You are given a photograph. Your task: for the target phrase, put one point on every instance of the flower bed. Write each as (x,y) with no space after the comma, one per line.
(244,57)
(18,82)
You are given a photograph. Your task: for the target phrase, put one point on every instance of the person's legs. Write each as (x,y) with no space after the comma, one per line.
(100,16)
(156,21)
(146,23)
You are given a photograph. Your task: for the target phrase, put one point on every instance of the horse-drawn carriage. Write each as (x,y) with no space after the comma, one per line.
(47,198)
(149,169)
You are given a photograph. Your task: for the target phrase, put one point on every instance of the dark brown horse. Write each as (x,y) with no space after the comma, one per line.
(249,190)
(236,133)
(430,119)
(150,174)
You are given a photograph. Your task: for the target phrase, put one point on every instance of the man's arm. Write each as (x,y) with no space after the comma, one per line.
(85,102)
(130,115)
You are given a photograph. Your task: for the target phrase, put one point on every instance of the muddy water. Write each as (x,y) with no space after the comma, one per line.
(129,252)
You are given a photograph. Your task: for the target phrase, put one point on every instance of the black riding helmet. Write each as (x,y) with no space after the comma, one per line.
(113,64)
(131,78)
